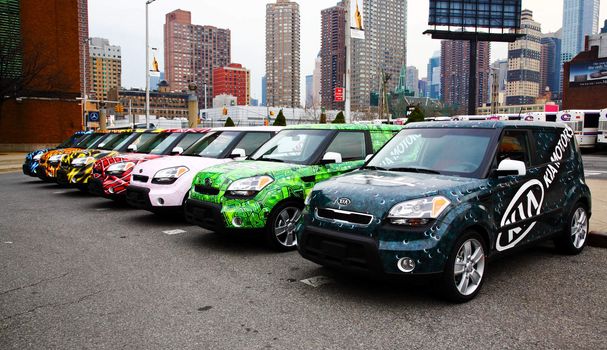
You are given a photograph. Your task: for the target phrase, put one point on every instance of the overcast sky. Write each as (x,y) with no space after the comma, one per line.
(123,23)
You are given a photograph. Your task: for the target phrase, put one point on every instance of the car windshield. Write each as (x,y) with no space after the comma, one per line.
(92,141)
(74,139)
(137,139)
(448,151)
(112,140)
(159,143)
(292,146)
(83,140)
(213,145)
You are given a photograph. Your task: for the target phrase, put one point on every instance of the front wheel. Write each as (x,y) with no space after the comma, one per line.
(465,270)
(281,226)
(573,239)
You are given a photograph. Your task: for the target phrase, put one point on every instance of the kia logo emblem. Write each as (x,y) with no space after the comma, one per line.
(566,117)
(344,201)
(207,182)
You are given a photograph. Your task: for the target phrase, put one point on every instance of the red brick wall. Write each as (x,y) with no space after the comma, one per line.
(50,36)
(586,97)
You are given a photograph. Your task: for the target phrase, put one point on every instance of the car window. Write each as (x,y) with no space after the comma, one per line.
(252,140)
(293,146)
(159,144)
(351,145)
(112,140)
(189,139)
(514,146)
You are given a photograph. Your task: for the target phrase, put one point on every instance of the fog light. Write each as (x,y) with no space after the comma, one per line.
(237,222)
(160,201)
(406,265)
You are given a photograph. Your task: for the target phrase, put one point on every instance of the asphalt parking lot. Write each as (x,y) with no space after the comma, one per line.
(82,272)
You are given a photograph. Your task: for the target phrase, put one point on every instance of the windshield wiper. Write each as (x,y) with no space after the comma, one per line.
(415,170)
(371,167)
(272,160)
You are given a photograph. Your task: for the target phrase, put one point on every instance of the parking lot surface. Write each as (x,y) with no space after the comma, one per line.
(82,272)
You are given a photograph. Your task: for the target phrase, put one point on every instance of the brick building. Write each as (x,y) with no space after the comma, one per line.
(233,80)
(163,104)
(332,54)
(48,40)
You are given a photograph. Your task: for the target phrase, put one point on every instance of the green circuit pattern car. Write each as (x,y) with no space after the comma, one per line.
(267,191)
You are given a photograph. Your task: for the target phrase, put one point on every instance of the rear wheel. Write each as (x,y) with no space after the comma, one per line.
(281,226)
(465,270)
(573,239)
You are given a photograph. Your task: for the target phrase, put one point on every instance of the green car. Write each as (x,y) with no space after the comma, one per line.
(267,191)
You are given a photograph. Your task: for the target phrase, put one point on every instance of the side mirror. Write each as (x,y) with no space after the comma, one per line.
(238,153)
(331,158)
(132,148)
(509,167)
(369,156)
(177,150)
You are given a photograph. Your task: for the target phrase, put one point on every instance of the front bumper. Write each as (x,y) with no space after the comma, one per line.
(368,255)
(204,214)
(27,170)
(95,187)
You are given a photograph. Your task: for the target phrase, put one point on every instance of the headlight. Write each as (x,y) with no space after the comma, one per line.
(56,158)
(80,162)
(38,156)
(169,175)
(418,212)
(249,187)
(119,168)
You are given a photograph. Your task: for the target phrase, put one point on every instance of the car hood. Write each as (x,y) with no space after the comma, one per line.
(195,164)
(223,175)
(376,192)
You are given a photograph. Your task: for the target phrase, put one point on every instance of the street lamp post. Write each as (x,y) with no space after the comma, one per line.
(84,73)
(147,66)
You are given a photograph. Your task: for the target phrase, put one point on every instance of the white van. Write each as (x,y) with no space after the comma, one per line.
(585,124)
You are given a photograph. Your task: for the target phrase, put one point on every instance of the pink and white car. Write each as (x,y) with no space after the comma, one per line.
(163,184)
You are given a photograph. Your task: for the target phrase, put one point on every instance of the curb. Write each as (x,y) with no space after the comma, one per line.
(597,239)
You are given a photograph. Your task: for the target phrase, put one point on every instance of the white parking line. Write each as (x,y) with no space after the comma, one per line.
(317,281)
(595,173)
(61,192)
(173,232)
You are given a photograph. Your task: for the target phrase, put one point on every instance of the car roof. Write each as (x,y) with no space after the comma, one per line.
(378,127)
(249,128)
(485,124)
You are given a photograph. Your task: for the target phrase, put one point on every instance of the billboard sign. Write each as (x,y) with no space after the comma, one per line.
(502,14)
(590,73)
(339,94)
(357,30)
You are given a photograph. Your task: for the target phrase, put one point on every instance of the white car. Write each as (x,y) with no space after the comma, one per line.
(163,184)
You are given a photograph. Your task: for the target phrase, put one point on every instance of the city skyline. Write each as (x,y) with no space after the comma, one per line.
(247,24)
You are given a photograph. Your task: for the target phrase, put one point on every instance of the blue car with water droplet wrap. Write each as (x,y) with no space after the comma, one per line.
(441,199)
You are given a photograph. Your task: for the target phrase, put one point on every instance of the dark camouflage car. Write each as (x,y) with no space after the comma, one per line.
(443,198)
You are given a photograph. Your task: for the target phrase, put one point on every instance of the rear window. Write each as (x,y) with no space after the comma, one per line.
(545,143)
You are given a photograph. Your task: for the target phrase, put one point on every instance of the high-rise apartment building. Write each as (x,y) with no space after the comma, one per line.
(317,82)
(283,53)
(412,80)
(550,69)
(309,91)
(332,53)
(383,49)
(455,73)
(191,52)
(105,65)
(524,58)
(233,80)
(580,18)
(434,76)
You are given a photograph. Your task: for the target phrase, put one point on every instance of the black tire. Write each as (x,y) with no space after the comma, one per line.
(570,242)
(451,282)
(286,241)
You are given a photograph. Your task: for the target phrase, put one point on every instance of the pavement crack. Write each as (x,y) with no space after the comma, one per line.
(34,284)
(82,298)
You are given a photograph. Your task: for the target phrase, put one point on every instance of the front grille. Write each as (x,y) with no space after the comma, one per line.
(210,191)
(335,251)
(141,178)
(344,216)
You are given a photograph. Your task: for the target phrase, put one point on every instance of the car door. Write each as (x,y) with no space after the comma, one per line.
(353,146)
(517,199)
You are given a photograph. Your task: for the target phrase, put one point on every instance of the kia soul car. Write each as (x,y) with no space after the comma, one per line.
(163,185)
(32,159)
(442,198)
(112,174)
(267,191)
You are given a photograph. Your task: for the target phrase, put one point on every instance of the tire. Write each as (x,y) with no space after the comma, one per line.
(466,268)
(281,226)
(575,234)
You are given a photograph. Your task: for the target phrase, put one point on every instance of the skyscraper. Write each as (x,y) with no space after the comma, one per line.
(580,18)
(264,91)
(233,80)
(499,70)
(332,53)
(105,66)
(283,53)
(455,73)
(384,48)
(412,80)
(434,76)
(524,63)
(316,82)
(191,52)
(551,62)
(309,91)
